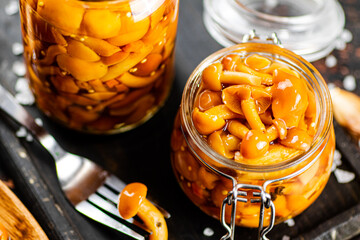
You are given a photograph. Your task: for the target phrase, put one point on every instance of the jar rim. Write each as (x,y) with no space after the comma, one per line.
(318,84)
(228,21)
(288,20)
(136,6)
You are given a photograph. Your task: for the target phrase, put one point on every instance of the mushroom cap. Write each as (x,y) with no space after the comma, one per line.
(131,198)
(233,95)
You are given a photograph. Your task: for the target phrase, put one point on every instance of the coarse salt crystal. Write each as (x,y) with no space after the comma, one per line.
(25,98)
(347,36)
(336,163)
(290,222)
(17,48)
(29,138)
(21,132)
(343,176)
(331,86)
(12,8)
(21,85)
(39,121)
(337,160)
(208,232)
(337,155)
(340,44)
(19,68)
(24,95)
(349,83)
(330,61)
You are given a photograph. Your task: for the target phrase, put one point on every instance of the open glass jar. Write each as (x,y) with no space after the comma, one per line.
(213,165)
(309,28)
(99,66)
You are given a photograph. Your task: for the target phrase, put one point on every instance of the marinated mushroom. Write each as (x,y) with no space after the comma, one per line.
(132,201)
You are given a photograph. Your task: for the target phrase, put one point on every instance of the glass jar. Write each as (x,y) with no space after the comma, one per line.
(309,28)
(214,183)
(99,66)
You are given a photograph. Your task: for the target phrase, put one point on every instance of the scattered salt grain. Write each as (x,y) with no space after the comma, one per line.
(330,61)
(290,222)
(343,176)
(19,68)
(331,86)
(208,232)
(25,98)
(29,138)
(24,95)
(285,237)
(17,48)
(21,132)
(21,85)
(12,8)
(349,83)
(39,121)
(337,160)
(337,155)
(347,36)
(340,44)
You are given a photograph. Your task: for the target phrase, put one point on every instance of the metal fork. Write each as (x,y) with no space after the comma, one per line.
(90,189)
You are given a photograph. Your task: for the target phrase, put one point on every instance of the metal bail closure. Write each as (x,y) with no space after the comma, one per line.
(258,196)
(252,36)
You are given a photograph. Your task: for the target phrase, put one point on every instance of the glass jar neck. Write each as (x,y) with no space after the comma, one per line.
(301,25)
(305,69)
(282,11)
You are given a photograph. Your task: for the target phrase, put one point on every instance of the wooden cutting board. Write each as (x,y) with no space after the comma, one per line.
(15,217)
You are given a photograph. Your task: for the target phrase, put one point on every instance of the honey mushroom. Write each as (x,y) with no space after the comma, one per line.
(81,57)
(249,97)
(255,111)
(132,201)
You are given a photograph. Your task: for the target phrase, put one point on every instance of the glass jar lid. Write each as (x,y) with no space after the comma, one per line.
(309,28)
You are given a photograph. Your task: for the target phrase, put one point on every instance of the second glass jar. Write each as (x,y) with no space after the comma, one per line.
(99,66)
(203,157)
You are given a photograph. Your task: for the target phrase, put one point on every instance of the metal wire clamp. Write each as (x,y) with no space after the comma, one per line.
(252,36)
(258,196)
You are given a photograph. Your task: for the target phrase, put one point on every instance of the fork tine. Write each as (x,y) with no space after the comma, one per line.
(115,183)
(110,208)
(107,193)
(92,212)
(105,205)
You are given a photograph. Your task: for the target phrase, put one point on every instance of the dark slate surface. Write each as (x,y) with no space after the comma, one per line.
(143,154)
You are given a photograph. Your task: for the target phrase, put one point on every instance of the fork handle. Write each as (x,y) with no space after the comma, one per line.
(43,201)
(17,112)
